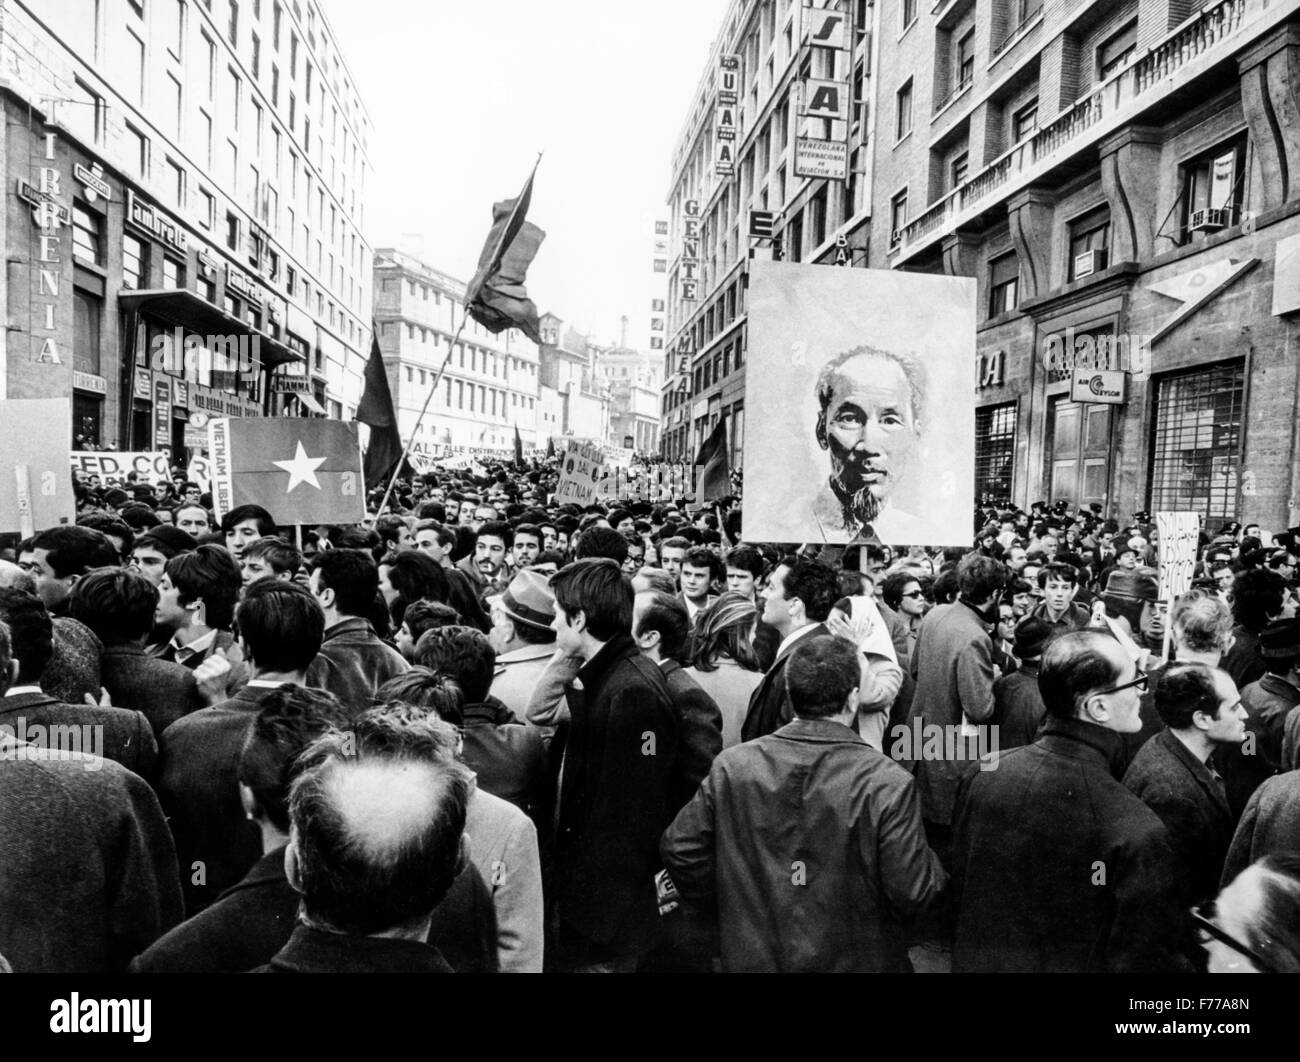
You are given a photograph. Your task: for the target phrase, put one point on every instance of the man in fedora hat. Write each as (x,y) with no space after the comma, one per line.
(1018,704)
(522,636)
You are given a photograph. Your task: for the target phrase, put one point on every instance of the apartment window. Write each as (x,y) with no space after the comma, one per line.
(232,231)
(135,273)
(87,314)
(176,182)
(909,13)
(1089,236)
(293,55)
(232,27)
(1004,284)
(897,217)
(139,151)
(87,235)
(256,64)
(1196,441)
(207,208)
(1116,51)
(1024,121)
(966,58)
(995,453)
(1213,187)
(903,111)
(204,134)
(958,168)
(275,85)
(277,13)
(211,49)
(206,287)
(173,23)
(293,111)
(232,88)
(173,274)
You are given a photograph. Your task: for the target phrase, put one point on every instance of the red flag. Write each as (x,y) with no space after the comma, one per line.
(376,409)
(496,297)
(715,476)
(300,470)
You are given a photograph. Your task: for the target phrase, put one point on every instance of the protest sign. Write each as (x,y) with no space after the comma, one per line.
(861,416)
(1179,536)
(199,471)
(581,469)
(301,470)
(149,466)
(35,473)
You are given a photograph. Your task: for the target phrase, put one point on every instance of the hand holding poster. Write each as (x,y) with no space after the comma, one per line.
(35,475)
(300,470)
(860,409)
(580,470)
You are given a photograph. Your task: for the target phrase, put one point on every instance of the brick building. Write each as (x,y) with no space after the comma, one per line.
(1118,175)
(185,195)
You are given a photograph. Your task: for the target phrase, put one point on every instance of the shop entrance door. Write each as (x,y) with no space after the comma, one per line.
(1080,455)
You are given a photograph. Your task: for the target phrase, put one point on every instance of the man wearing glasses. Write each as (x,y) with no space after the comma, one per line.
(1173,776)
(1056,866)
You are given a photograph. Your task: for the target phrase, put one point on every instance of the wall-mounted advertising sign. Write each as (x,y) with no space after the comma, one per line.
(148,217)
(1089,385)
(724,115)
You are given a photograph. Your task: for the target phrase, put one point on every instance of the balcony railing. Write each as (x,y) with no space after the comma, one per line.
(1204,34)
(961,87)
(1016,32)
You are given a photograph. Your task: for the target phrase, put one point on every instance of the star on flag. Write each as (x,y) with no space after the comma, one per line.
(302,469)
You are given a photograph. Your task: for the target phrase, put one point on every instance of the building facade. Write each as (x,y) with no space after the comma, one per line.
(630,379)
(490,384)
(1119,177)
(574,404)
(185,197)
(742,151)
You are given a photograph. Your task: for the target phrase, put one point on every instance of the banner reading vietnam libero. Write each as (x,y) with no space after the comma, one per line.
(300,470)
(860,380)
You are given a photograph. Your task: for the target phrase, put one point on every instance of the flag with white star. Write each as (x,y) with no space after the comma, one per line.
(300,470)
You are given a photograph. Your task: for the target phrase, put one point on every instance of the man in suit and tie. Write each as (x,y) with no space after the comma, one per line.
(700,567)
(799,599)
(1172,774)
(121,734)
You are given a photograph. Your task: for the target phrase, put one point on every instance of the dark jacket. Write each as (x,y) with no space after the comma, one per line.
(620,751)
(769,704)
(87,868)
(253,919)
(814,807)
(1019,708)
(1190,801)
(127,736)
(1076,618)
(73,670)
(198,785)
(353,663)
(953,667)
(1267,703)
(1058,868)
(1270,825)
(700,722)
(316,951)
(163,691)
(509,758)
(1243,661)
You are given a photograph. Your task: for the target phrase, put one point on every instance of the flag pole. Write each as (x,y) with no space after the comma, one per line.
(433,387)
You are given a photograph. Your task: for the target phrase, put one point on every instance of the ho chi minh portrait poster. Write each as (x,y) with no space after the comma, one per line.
(860,406)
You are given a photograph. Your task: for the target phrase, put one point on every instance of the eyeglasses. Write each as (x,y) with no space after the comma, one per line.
(1140,683)
(1203,919)
(914,593)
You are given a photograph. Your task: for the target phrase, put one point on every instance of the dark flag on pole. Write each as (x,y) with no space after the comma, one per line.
(376,409)
(496,297)
(550,446)
(519,449)
(715,477)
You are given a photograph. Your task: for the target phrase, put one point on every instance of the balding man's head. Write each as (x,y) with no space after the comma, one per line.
(1087,675)
(377,815)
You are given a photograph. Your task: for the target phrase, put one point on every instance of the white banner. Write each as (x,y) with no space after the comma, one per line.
(582,468)
(1180,535)
(150,466)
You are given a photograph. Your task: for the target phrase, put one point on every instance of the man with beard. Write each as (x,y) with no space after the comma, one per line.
(871,405)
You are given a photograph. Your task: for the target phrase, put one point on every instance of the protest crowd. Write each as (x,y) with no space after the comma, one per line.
(483,731)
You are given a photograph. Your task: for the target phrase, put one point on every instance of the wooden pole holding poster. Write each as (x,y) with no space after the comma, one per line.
(23,487)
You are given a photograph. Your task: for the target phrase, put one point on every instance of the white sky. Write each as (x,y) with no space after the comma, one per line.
(463,95)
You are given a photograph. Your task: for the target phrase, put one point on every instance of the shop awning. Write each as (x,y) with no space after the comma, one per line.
(189,310)
(310,402)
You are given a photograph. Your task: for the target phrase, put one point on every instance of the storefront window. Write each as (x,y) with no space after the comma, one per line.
(134,268)
(995,451)
(87,314)
(1195,441)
